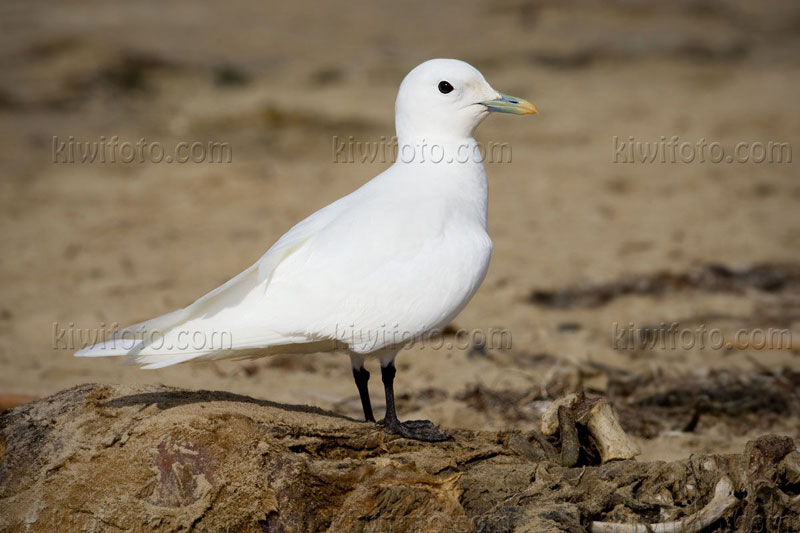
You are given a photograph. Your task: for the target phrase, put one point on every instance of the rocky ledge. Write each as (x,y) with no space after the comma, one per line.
(107,458)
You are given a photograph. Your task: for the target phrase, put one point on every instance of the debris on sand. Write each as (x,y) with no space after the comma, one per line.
(710,278)
(599,423)
(652,403)
(722,501)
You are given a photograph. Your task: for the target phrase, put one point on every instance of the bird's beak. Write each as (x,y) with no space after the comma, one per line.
(510,104)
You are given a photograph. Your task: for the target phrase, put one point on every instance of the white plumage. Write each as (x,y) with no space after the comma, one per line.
(392,261)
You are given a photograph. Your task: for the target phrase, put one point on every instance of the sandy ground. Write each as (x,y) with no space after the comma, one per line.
(88,245)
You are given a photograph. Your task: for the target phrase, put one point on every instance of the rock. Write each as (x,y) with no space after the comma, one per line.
(107,458)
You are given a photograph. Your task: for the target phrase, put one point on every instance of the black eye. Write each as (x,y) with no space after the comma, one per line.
(445,87)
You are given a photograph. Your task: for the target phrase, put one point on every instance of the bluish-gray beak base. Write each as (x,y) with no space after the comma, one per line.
(510,104)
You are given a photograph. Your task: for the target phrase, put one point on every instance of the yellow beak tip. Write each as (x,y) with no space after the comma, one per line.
(511,104)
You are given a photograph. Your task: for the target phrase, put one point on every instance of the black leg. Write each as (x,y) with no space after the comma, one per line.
(413,429)
(362,378)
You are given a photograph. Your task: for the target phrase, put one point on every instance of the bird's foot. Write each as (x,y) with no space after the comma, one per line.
(423,430)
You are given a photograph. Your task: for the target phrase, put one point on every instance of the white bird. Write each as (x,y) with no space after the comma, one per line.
(389,263)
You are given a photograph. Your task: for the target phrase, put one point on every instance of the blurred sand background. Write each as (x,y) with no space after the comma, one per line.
(86,244)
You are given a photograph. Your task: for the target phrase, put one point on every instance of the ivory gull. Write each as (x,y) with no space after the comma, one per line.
(389,263)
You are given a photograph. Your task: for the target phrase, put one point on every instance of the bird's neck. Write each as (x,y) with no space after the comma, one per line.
(437,149)
(449,169)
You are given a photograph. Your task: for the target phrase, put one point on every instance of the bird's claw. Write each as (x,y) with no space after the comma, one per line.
(422,430)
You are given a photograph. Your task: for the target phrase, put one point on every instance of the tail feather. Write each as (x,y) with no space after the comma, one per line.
(238,307)
(205,330)
(226,295)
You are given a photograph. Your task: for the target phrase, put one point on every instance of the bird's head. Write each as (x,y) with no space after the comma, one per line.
(447,98)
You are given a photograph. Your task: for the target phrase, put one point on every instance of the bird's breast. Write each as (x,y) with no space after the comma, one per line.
(393,268)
